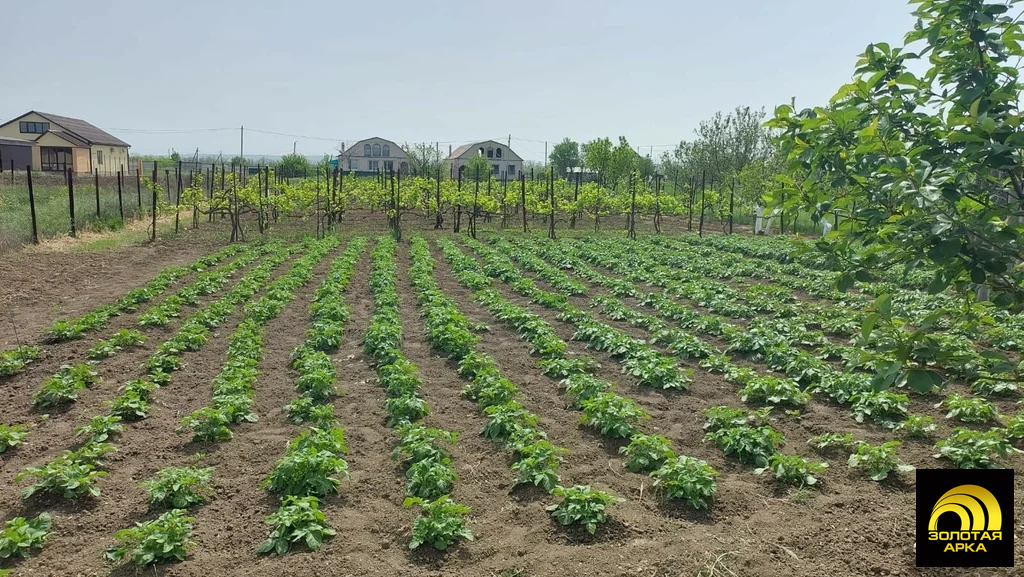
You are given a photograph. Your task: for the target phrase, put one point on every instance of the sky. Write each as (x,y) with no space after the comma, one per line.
(186,74)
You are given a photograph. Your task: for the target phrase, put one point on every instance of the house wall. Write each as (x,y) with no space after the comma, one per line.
(355,154)
(13,130)
(114,157)
(509,162)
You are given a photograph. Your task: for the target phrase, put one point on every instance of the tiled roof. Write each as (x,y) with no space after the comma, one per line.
(85,131)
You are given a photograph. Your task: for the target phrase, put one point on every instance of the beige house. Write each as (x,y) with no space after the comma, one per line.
(61,143)
(373,155)
(503,161)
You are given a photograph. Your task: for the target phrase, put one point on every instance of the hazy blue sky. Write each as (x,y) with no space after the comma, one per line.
(412,71)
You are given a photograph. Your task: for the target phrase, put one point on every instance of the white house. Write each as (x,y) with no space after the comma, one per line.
(373,155)
(502,159)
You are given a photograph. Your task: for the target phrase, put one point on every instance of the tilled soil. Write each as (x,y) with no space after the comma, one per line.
(848,526)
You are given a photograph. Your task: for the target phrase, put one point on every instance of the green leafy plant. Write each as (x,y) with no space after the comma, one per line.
(11,436)
(165,538)
(100,428)
(72,475)
(989,387)
(687,479)
(406,409)
(774,391)
(20,535)
(613,416)
(207,424)
(62,388)
(751,445)
(298,520)
(119,341)
(969,409)
(307,472)
(917,426)
(879,461)
(305,409)
(883,407)
(538,464)
(16,359)
(724,416)
(645,453)
(440,524)
(581,505)
(970,449)
(826,441)
(582,387)
(429,479)
(793,469)
(179,487)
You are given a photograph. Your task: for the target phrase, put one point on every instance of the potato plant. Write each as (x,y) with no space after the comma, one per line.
(793,469)
(970,449)
(15,360)
(686,479)
(969,409)
(645,453)
(11,436)
(122,339)
(878,461)
(440,524)
(20,536)
(164,539)
(750,445)
(179,487)
(298,520)
(581,505)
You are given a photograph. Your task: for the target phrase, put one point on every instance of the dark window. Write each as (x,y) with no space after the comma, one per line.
(495,169)
(387,150)
(53,158)
(511,170)
(389,165)
(490,153)
(353,164)
(376,150)
(34,127)
(375,165)
(366,150)
(497,152)
(99,158)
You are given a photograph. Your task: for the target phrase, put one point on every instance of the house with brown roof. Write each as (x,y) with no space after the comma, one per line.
(504,162)
(373,155)
(60,143)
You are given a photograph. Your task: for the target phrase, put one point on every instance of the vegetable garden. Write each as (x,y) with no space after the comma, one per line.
(500,405)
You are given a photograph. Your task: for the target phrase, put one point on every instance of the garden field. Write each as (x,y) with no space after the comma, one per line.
(509,406)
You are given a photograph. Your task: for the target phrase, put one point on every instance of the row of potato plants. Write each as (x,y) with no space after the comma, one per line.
(679,477)
(967,448)
(509,423)
(63,386)
(954,343)
(71,329)
(757,445)
(310,468)
(74,473)
(423,451)
(234,394)
(167,537)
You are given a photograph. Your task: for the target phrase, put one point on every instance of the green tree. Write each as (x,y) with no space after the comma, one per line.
(597,157)
(928,145)
(565,155)
(293,165)
(478,168)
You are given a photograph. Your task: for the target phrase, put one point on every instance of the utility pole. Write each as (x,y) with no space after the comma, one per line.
(545,154)
(294,144)
(510,140)
(241,148)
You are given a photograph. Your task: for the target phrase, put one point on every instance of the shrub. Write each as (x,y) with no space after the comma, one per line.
(688,479)
(970,449)
(793,469)
(646,452)
(581,505)
(179,487)
(878,460)
(440,523)
(165,538)
(299,519)
(21,535)
(751,445)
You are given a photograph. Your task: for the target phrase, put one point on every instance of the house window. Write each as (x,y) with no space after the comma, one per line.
(353,164)
(497,152)
(511,170)
(376,150)
(375,165)
(99,157)
(55,158)
(34,127)
(490,153)
(389,165)
(495,169)
(387,150)
(366,150)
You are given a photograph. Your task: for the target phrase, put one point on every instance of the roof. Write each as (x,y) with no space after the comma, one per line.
(484,143)
(71,137)
(7,141)
(358,146)
(85,132)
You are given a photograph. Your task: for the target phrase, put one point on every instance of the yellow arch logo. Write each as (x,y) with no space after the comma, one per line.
(970,503)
